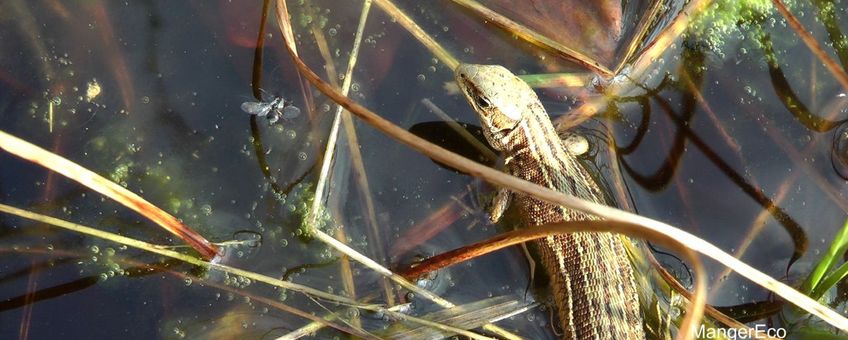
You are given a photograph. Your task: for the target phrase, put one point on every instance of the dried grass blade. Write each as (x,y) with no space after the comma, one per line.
(311,292)
(466,316)
(535,38)
(648,18)
(157,249)
(813,44)
(284,23)
(658,46)
(498,178)
(693,314)
(459,129)
(330,151)
(404,20)
(708,310)
(49,160)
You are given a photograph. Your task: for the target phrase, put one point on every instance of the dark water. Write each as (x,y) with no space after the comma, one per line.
(710,147)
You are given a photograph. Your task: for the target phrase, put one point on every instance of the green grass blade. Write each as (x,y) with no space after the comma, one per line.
(834,254)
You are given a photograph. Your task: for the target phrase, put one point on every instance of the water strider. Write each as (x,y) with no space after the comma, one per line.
(591,276)
(273,110)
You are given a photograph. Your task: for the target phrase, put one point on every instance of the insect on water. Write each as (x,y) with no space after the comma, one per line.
(273,110)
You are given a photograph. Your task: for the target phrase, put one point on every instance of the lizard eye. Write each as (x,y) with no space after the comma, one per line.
(482,102)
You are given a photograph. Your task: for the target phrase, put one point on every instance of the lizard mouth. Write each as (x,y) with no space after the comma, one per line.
(474,96)
(467,88)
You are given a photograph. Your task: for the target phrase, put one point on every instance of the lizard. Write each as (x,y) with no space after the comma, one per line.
(592,279)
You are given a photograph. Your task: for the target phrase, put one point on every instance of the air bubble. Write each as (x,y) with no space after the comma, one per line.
(839,151)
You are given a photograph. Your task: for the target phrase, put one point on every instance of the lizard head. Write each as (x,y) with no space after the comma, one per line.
(499,97)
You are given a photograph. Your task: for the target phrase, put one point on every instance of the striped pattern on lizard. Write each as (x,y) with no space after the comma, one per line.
(591,276)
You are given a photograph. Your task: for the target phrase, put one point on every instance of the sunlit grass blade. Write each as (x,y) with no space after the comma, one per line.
(676,286)
(575,81)
(284,23)
(696,308)
(646,60)
(357,163)
(830,281)
(88,178)
(467,316)
(535,38)
(557,80)
(645,22)
(500,179)
(406,22)
(483,149)
(160,250)
(641,64)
